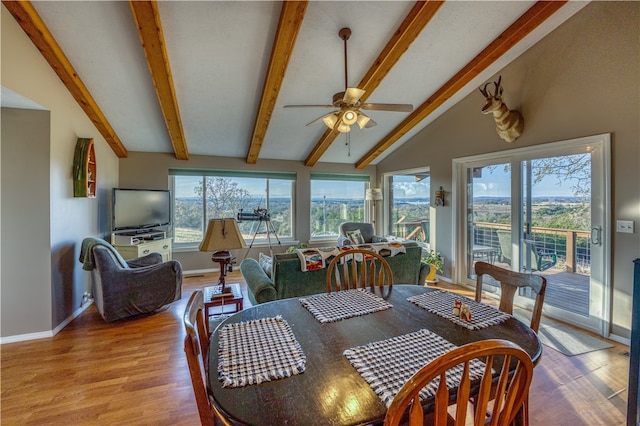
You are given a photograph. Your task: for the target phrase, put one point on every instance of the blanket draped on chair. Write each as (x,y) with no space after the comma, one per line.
(86,253)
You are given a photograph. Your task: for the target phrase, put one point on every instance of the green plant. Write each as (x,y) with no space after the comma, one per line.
(434,259)
(299,246)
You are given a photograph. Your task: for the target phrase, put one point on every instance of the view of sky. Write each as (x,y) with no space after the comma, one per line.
(494,182)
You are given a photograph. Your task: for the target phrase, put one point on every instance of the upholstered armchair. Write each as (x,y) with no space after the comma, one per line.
(123,288)
(349,234)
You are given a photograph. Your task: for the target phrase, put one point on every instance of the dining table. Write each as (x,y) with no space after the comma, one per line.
(327,388)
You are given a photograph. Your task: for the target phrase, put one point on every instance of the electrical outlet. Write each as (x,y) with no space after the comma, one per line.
(624,226)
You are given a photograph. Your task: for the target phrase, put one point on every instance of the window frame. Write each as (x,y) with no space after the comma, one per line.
(218,173)
(339,177)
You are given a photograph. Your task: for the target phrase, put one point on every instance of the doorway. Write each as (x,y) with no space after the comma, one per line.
(542,210)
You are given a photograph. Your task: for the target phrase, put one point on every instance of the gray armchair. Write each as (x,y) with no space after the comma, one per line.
(123,288)
(366,230)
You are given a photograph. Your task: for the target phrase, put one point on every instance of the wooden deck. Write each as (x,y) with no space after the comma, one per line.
(565,290)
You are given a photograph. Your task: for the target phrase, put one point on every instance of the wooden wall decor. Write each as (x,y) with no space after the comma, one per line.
(84,169)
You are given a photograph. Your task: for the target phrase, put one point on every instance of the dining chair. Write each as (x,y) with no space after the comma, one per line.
(510,282)
(358,268)
(196,347)
(498,356)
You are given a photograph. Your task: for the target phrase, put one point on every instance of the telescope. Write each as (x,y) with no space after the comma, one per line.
(257,214)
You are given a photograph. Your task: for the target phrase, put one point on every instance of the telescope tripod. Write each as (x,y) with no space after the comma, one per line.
(269,230)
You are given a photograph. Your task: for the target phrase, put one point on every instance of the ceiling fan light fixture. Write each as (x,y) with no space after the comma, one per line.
(330,120)
(362,120)
(350,117)
(344,128)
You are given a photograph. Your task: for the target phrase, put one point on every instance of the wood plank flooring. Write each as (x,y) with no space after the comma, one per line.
(134,372)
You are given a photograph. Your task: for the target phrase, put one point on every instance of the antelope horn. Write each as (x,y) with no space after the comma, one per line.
(484,90)
(498,83)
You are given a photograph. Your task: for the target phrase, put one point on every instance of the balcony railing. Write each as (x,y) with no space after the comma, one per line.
(572,247)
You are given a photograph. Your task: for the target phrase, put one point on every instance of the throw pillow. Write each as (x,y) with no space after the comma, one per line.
(355,236)
(266,262)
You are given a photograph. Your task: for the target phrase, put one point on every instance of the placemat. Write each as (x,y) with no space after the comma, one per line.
(258,351)
(441,303)
(387,365)
(344,304)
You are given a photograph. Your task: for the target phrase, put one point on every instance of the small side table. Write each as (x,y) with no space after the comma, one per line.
(213,298)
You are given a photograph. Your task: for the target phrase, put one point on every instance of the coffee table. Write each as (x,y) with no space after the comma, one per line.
(213,298)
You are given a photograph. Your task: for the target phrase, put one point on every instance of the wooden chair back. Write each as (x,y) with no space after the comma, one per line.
(358,268)
(196,347)
(510,282)
(512,388)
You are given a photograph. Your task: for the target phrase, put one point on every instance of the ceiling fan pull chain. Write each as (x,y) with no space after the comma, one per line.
(348,143)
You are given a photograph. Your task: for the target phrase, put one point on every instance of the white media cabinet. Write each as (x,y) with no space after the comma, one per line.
(137,244)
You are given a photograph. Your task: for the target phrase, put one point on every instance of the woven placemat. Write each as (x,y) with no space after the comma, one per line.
(258,351)
(344,304)
(387,365)
(441,303)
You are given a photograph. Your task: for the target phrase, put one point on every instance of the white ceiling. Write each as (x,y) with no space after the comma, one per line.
(219,53)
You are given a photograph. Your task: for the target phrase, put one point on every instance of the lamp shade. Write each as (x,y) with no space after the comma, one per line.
(373,194)
(222,234)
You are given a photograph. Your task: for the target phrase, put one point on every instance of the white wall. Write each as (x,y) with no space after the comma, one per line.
(582,79)
(70,219)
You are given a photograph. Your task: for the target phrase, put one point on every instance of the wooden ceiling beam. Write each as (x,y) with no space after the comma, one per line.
(407,32)
(523,26)
(291,16)
(149,25)
(27,17)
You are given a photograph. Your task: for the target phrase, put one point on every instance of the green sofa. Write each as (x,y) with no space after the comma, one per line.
(288,280)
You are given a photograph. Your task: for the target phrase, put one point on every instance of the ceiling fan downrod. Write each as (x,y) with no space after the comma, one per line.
(344,34)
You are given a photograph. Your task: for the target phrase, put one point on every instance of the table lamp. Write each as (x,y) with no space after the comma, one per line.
(222,235)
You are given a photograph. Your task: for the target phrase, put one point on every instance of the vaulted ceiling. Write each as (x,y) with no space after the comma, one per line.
(212,77)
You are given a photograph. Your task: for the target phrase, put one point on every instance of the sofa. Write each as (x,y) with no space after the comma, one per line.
(289,280)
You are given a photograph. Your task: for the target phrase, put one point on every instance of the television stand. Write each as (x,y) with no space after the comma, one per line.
(145,247)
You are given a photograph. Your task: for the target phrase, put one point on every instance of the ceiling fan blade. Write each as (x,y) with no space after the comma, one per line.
(370,124)
(388,107)
(320,119)
(309,106)
(352,95)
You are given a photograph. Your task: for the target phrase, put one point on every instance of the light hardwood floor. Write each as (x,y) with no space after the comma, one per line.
(134,372)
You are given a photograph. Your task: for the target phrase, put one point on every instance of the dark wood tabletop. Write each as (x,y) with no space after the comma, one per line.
(331,391)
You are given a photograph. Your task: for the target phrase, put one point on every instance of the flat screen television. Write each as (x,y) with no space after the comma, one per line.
(140,209)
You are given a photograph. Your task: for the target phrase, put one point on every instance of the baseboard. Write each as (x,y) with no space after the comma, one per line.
(619,339)
(196,272)
(45,334)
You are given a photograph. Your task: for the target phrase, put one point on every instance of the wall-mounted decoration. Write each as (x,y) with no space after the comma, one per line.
(509,123)
(84,169)
(440,197)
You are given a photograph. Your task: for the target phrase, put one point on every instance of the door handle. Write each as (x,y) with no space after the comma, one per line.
(596,236)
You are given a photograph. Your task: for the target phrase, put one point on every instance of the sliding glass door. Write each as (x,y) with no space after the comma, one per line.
(542,210)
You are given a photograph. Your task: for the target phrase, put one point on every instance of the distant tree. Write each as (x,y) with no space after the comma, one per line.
(574,169)
(223,196)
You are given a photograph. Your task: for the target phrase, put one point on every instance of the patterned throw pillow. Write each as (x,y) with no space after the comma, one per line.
(355,236)
(266,263)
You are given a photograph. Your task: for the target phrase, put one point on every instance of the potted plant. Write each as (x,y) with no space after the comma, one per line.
(435,261)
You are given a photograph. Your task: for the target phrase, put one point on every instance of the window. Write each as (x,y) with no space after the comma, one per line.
(336,199)
(409,201)
(200,195)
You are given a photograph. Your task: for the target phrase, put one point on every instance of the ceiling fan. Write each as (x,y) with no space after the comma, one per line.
(348,103)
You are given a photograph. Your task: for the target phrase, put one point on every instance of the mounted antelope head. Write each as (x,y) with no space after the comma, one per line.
(509,123)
